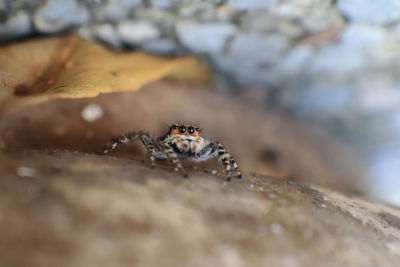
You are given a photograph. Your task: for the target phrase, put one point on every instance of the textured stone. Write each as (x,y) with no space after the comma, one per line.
(363,35)
(56,16)
(339,60)
(160,4)
(295,60)
(204,37)
(16,26)
(162,46)
(107,34)
(130,215)
(250,4)
(116,10)
(373,11)
(137,32)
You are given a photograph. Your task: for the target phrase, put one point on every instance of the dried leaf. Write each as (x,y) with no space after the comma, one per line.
(68,67)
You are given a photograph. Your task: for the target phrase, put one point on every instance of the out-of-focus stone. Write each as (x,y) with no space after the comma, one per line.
(373,11)
(137,32)
(204,37)
(116,10)
(160,4)
(162,46)
(250,4)
(295,60)
(107,34)
(16,26)
(361,34)
(58,15)
(251,59)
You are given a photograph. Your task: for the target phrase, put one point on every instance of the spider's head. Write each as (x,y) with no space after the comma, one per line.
(187,130)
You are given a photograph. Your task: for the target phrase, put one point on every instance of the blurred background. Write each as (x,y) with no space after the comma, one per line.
(307,90)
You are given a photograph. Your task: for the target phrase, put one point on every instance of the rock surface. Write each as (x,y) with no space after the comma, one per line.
(61,208)
(330,63)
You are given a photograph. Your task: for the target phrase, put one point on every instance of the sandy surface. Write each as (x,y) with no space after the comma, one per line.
(62,208)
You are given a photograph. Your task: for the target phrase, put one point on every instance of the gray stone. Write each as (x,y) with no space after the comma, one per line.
(116,10)
(252,59)
(203,10)
(16,26)
(373,11)
(204,37)
(59,15)
(107,34)
(87,33)
(162,19)
(254,50)
(339,60)
(383,180)
(296,60)
(160,4)
(362,34)
(250,4)
(161,46)
(264,23)
(137,32)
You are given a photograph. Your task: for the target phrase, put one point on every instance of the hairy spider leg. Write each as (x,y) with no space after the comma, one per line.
(206,152)
(224,157)
(167,150)
(236,168)
(151,153)
(133,136)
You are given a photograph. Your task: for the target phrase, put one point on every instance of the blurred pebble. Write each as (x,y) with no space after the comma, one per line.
(24,171)
(17,26)
(373,11)
(276,228)
(137,32)
(204,37)
(250,4)
(56,15)
(91,112)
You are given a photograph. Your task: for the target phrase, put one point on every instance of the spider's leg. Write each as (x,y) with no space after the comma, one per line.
(122,139)
(206,152)
(150,151)
(225,158)
(236,168)
(167,150)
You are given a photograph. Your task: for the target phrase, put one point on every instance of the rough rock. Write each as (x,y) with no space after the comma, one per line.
(74,209)
(318,47)
(15,27)
(380,12)
(55,16)
(204,38)
(116,10)
(137,32)
(250,5)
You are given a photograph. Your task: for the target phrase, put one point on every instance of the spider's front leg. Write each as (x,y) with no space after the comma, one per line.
(172,158)
(130,137)
(229,162)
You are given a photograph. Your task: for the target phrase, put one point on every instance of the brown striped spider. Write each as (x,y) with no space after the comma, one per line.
(181,141)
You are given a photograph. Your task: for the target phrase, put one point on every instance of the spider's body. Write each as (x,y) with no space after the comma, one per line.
(181,141)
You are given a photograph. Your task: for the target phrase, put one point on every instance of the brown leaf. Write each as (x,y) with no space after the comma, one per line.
(67,67)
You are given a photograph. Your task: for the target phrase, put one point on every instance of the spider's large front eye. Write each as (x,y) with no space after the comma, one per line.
(190,130)
(182,129)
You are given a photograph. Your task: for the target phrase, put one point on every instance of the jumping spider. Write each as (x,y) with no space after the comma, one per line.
(181,141)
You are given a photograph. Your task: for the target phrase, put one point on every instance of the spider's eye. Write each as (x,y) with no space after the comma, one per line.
(182,129)
(197,129)
(174,127)
(190,130)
